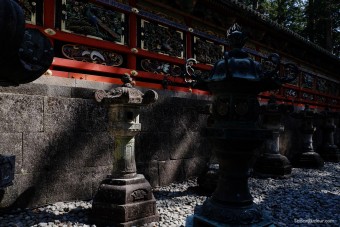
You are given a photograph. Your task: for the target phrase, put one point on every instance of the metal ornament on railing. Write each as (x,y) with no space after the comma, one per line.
(190,77)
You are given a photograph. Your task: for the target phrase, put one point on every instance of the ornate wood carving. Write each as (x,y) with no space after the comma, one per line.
(290,93)
(94,55)
(29,7)
(307,80)
(155,66)
(161,39)
(307,96)
(206,51)
(93,21)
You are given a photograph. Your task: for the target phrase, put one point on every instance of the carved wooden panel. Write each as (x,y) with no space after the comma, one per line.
(161,39)
(206,51)
(30,10)
(307,80)
(88,19)
(93,55)
(290,93)
(159,67)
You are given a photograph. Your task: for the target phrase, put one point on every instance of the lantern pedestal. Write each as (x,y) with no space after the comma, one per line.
(203,221)
(231,203)
(124,202)
(272,163)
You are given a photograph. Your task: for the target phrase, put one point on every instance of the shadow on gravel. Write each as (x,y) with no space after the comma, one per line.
(38,216)
(165,194)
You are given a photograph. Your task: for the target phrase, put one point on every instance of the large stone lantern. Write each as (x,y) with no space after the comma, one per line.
(328,150)
(236,133)
(124,198)
(271,163)
(307,157)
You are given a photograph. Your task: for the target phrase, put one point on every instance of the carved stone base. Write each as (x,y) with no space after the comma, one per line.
(272,165)
(330,153)
(212,214)
(309,160)
(124,202)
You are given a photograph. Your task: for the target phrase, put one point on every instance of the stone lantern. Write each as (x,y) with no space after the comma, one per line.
(236,133)
(271,163)
(307,157)
(124,198)
(328,150)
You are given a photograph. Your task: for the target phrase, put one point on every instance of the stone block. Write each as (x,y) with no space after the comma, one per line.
(152,146)
(59,91)
(96,116)
(55,80)
(26,89)
(183,144)
(32,189)
(45,152)
(99,174)
(35,152)
(11,144)
(171,171)
(91,149)
(150,171)
(194,166)
(93,85)
(8,196)
(83,93)
(21,113)
(27,191)
(151,115)
(64,114)
(66,186)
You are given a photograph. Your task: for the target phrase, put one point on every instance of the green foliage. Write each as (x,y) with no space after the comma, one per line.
(316,20)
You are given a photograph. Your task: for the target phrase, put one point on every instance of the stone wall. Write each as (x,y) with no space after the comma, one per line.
(59,136)
(63,150)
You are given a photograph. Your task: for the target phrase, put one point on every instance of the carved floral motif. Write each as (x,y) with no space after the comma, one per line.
(155,66)
(321,85)
(290,93)
(161,39)
(333,88)
(206,51)
(89,19)
(287,71)
(94,55)
(139,194)
(320,99)
(29,8)
(307,96)
(307,80)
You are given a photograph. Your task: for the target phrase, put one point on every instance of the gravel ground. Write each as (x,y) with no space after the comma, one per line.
(308,197)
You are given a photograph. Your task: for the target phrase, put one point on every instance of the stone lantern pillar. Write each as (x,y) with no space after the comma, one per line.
(307,157)
(236,133)
(271,163)
(328,150)
(124,198)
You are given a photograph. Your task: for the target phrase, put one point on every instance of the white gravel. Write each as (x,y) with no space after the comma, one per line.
(308,197)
